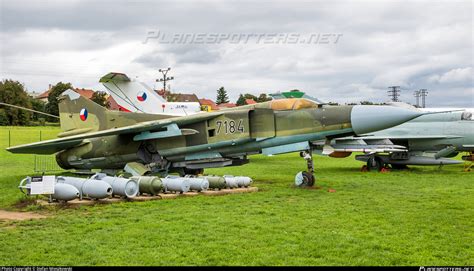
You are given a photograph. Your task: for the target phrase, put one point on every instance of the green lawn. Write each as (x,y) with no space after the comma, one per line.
(423,216)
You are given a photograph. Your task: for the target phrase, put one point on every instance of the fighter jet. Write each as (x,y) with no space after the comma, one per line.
(96,138)
(134,96)
(428,140)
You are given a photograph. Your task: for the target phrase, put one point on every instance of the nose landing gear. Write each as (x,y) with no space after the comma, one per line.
(306,178)
(374,164)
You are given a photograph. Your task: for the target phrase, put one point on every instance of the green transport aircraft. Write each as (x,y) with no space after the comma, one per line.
(93,137)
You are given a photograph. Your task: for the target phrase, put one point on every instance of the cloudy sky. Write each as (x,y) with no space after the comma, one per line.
(334,50)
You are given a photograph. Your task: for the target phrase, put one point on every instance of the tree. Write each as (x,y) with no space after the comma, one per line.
(13,92)
(260,99)
(37,105)
(241,100)
(3,118)
(263,98)
(100,98)
(222,96)
(250,96)
(52,106)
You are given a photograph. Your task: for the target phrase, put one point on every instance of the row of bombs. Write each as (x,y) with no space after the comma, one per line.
(101,186)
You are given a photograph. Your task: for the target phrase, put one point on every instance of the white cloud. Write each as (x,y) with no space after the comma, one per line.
(454,75)
(383,43)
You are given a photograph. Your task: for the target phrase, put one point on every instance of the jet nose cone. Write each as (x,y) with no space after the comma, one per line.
(370,118)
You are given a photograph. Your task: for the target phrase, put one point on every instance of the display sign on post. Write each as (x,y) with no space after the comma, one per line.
(41,185)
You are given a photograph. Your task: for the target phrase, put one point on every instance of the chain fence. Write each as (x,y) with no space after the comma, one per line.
(14,136)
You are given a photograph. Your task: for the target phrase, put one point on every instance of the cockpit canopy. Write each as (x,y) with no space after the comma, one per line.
(288,104)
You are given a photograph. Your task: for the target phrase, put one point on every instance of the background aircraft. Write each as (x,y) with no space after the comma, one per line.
(427,140)
(134,96)
(96,138)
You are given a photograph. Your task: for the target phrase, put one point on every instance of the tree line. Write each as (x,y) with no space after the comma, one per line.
(222,97)
(14,92)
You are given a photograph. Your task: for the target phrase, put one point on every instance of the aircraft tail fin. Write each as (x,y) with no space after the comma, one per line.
(135,96)
(131,95)
(78,114)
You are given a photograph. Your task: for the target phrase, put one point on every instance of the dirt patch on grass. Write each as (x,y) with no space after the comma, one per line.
(24,202)
(7,215)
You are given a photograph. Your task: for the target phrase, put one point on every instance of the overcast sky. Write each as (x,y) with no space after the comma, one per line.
(363,46)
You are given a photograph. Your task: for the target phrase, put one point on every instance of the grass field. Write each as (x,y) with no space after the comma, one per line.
(422,216)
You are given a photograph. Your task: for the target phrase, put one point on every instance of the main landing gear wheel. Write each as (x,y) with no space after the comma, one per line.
(306,178)
(374,164)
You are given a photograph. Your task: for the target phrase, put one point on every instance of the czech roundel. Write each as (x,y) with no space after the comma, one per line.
(141,96)
(83,114)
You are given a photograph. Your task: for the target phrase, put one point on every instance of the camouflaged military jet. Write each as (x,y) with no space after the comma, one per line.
(96,138)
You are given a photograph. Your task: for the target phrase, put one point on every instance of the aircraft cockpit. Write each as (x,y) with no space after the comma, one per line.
(290,104)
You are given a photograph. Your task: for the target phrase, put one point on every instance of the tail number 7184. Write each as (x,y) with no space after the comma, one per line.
(229,127)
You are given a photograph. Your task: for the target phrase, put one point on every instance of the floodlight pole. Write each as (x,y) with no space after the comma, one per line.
(417,96)
(165,78)
(423,93)
(394,93)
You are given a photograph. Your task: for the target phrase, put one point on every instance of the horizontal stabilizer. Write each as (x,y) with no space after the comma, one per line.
(45,147)
(114,76)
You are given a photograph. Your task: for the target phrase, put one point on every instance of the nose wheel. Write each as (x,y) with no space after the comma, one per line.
(306,178)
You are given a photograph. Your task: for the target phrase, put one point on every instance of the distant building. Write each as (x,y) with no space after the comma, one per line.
(33,94)
(186,98)
(208,105)
(81,91)
(250,101)
(44,95)
(87,93)
(226,105)
(113,105)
